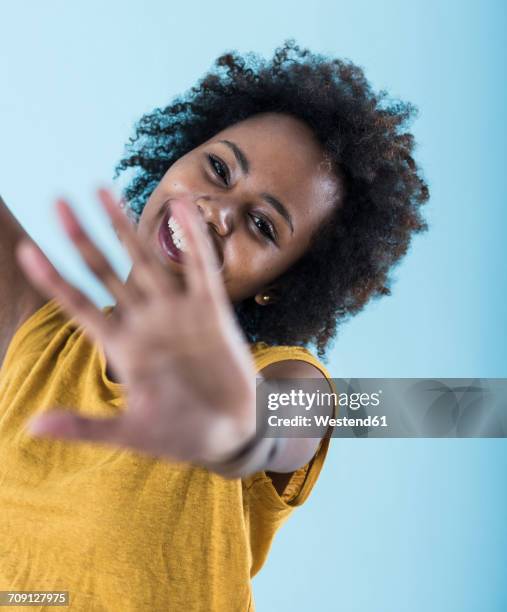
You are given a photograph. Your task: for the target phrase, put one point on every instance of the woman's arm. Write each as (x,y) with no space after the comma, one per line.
(18,298)
(296,451)
(189,385)
(279,457)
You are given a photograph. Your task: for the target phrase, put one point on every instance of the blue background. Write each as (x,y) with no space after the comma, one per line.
(392,525)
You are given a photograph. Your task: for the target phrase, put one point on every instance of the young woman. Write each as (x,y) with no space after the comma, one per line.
(269,204)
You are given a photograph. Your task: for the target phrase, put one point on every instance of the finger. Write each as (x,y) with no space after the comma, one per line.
(93,257)
(65,424)
(41,272)
(119,431)
(150,272)
(201,262)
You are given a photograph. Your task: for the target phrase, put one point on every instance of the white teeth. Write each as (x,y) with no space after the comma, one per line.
(177,234)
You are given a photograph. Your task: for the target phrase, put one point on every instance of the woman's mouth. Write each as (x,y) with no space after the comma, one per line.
(173,242)
(171,238)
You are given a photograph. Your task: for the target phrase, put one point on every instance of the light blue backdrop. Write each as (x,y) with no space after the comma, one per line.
(392,525)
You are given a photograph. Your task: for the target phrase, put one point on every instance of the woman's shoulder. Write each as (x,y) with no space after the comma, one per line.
(265,355)
(35,331)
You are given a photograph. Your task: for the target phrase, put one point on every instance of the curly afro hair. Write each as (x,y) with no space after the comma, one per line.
(365,138)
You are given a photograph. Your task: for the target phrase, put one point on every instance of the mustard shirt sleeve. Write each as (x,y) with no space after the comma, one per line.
(303,480)
(34,334)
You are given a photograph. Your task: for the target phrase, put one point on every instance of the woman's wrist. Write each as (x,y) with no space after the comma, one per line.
(256,455)
(253,455)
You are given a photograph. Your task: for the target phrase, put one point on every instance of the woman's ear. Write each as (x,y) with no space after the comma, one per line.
(266,297)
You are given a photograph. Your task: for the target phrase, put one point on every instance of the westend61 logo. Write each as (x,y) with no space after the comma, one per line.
(383,408)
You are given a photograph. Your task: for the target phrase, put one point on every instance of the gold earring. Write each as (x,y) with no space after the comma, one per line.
(266,298)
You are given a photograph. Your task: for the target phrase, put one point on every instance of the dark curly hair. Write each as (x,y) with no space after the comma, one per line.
(365,138)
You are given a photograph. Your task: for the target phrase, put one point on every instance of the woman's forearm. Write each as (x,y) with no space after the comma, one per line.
(18,298)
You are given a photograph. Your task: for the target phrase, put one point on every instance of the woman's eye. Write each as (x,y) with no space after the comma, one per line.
(219,168)
(264,227)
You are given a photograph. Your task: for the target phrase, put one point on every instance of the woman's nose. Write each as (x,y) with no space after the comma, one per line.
(216,214)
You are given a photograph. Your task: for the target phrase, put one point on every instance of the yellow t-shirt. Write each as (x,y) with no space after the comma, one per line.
(118,530)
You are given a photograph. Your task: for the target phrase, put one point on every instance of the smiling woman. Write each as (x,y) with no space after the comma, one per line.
(256,237)
(269,204)
(310,132)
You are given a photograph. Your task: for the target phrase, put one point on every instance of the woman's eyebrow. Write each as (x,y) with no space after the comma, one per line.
(244,164)
(239,155)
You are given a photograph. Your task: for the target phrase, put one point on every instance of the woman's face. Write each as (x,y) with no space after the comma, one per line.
(263,187)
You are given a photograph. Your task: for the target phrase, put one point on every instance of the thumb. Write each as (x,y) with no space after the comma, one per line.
(64,424)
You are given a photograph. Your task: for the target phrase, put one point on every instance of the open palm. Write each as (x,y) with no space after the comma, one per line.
(188,376)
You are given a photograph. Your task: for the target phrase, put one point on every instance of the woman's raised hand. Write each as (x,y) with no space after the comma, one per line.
(188,375)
